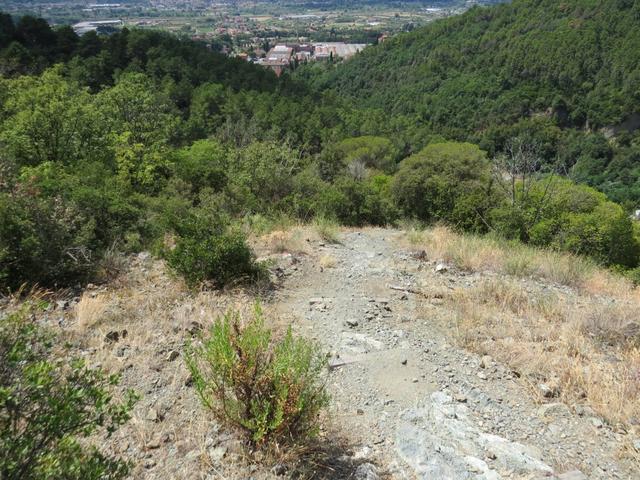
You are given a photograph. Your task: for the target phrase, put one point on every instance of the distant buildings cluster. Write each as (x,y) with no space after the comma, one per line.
(282,57)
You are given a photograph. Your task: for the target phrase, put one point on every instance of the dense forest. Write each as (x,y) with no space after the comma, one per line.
(566,74)
(143,140)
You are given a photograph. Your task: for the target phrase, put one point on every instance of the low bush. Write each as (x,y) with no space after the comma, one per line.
(271,389)
(210,251)
(48,408)
(327,229)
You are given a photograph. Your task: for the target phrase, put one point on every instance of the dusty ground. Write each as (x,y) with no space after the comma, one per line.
(408,401)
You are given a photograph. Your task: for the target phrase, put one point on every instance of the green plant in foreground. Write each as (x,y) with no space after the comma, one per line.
(49,406)
(272,389)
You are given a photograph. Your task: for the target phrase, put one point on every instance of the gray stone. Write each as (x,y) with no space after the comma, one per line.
(366,471)
(486,361)
(216,454)
(554,410)
(573,475)
(440,440)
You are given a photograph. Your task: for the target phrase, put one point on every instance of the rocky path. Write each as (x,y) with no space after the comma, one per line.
(409,399)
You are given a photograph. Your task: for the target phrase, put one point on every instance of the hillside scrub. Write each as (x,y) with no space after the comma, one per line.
(50,405)
(270,388)
(116,148)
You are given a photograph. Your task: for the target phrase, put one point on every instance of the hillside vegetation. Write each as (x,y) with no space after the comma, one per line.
(141,140)
(557,71)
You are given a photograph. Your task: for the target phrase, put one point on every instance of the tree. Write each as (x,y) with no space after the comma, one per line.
(7,30)
(446,182)
(50,119)
(372,152)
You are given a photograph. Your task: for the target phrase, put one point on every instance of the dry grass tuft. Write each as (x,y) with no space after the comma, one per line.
(327,229)
(328,261)
(477,254)
(90,311)
(586,353)
(286,241)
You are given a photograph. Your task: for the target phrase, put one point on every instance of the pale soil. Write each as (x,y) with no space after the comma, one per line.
(405,395)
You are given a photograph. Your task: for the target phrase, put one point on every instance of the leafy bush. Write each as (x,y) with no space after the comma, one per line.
(445,182)
(43,241)
(327,228)
(271,389)
(209,250)
(555,212)
(49,406)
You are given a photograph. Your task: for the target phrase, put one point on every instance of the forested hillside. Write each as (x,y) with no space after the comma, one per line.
(552,70)
(142,140)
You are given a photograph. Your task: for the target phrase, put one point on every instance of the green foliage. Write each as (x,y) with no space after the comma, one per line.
(445,182)
(565,216)
(270,388)
(372,152)
(207,250)
(43,239)
(359,202)
(50,406)
(327,229)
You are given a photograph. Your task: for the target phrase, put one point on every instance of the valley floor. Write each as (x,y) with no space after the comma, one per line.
(408,401)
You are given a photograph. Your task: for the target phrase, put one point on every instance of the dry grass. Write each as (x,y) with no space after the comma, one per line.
(327,229)
(477,254)
(588,352)
(293,240)
(327,261)
(90,310)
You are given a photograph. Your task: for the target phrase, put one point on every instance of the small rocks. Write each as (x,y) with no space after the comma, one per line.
(554,410)
(404,361)
(482,376)
(636,444)
(351,323)
(573,475)
(114,336)
(366,471)
(441,268)
(596,422)
(460,398)
(486,361)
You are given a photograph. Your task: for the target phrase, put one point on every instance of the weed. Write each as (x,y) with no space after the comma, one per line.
(270,389)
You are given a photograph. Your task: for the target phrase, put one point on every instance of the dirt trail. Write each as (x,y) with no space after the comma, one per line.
(410,400)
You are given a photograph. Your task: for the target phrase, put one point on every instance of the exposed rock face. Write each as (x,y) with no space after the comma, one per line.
(439,440)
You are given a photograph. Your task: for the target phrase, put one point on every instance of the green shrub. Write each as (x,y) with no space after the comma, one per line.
(271,389)
(207,250)
(43,241)
(327,228)
(49,406)
(445,182)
